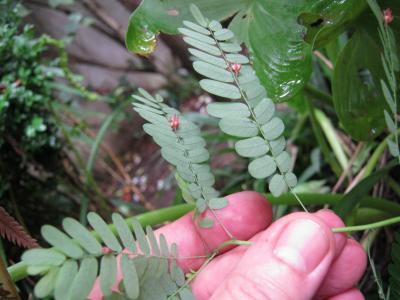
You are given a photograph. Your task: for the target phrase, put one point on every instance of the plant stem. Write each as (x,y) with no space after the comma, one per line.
(375,225)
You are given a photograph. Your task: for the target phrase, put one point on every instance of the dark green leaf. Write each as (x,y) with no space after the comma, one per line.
(389,122)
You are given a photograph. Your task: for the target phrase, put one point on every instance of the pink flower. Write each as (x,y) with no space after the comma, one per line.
(174,122)
(236,68)
(387,16)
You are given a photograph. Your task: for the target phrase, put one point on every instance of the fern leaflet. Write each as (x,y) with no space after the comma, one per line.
(69,269)
(230,75)
(183,146)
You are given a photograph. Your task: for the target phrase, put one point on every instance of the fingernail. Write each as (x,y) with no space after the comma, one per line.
(303,245)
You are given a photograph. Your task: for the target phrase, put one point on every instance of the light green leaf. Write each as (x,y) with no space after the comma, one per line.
(277,146)
(212,72)
(186,294)
(141,237)
(164,246)
(224,109)
(215,25)
(220,89)
(291,179)
(201,205)
(277,185)
(177,275)
(158,131)
(184,187)
(197,36)
(230,47)
(147,95)
(262,167)
(191,142)
(146,101)
(217,203)
(196,27)
(152,117)
(45,286)
(198,155)
(273,129)
(206,223)
(240,127)
(388,97)
(198,16)
(65,278)
(195,190)
(129,277)
(205,178)
(186,174)
(223,34)
(39,256)
(141,106)
(216,61)
(284,162)
(251,147)
(202,46)
(153,241)
(389,122)
(84,279)
(393,148)
(102,229)
(237,58)
(61,241)
(264,111)
(124,232)
(36,270)
(108,273)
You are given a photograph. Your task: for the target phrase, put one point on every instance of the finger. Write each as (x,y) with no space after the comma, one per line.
(246,214)
(289,261)
(205,284)
(352,294)
(345,271)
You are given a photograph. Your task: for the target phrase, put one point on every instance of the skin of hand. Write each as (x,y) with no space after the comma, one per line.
(295,258)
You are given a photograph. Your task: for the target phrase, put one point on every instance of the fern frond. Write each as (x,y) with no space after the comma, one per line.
(390,63)
(70,268)
(183,146)
(394,268)
(230,75)
(11,230)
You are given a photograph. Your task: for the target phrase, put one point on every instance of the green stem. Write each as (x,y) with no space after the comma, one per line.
(375,225)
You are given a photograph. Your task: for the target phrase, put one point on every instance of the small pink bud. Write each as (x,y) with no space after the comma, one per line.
(236,68)
(387,16)
(174,122)
(105,250)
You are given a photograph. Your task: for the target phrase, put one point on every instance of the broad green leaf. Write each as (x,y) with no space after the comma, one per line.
(264,111)
(197,36)
(191,142)
(216,61)
(291,179)
(277,185)
(39,256)
(61,241)
(108,273)
(206,179)
(186,174)
(273,129)
(225,109)
(196,27)
(141,237)
(262,167)
(212,72)
(356,94)
(102,229)
(251,147)
(153,241)
(220,89)
(130,277)
(284,162)
(389,122)
(198,155)
(217,203)
(65,278)
(223,34)
(240,127)
(84,279)
(206,223)
(45,286)
(124,232)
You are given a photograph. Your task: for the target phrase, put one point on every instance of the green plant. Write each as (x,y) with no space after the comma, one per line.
(394,268)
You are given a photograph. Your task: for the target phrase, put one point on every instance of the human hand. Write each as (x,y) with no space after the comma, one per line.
(296,258)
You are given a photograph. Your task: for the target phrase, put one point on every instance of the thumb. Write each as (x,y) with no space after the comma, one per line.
(288,261)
